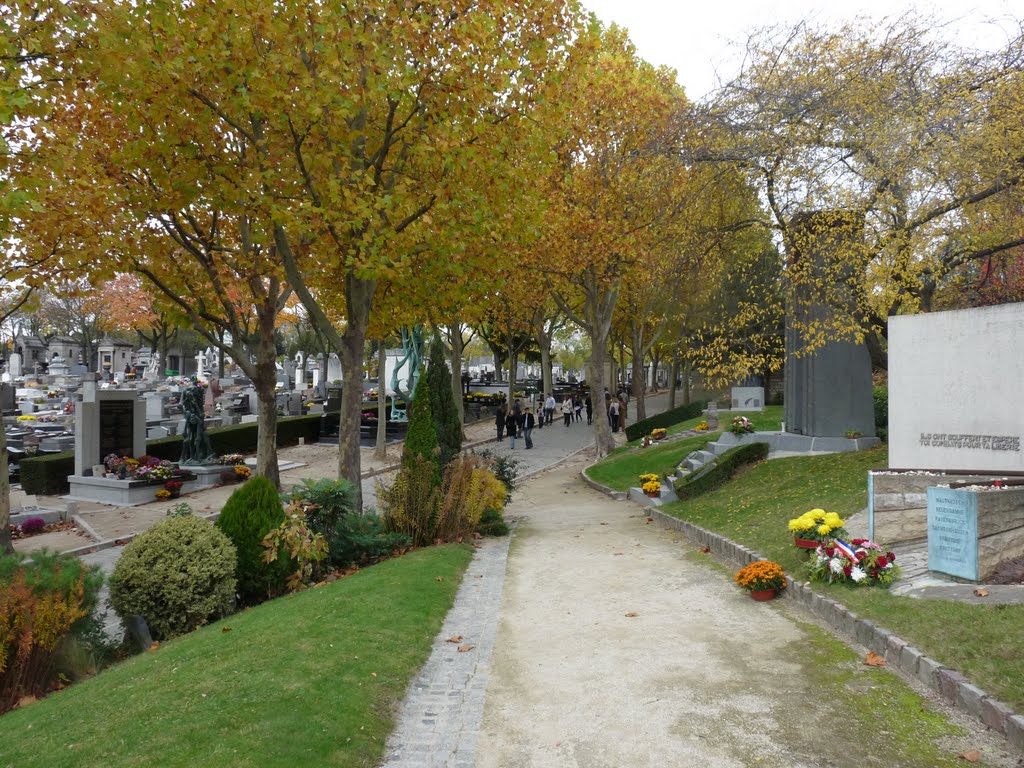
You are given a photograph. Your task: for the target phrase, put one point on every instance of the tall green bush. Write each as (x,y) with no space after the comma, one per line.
(442,403)
(421,437)
(880,397)
(250,513)
(178,575)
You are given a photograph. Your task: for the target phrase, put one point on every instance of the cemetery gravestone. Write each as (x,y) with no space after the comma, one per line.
(107,421)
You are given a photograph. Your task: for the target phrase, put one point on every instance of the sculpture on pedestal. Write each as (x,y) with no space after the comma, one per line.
(195,443)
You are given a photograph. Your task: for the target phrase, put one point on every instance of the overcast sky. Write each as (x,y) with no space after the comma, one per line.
(696,39)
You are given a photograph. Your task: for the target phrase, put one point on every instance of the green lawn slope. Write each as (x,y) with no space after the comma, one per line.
(312,679)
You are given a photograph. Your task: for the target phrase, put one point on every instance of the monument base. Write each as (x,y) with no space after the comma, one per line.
(120,493)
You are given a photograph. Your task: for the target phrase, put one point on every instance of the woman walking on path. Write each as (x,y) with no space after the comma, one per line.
(499,421)
(528,423)
(590,409)
(512,427)
(613,414)
(567,409)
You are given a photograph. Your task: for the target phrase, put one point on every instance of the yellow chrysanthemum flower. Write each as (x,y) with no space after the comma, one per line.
(824,530)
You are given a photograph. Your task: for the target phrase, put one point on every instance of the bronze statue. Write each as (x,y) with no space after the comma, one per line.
(195,443)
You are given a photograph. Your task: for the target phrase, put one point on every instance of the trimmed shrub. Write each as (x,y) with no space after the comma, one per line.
(667,419)
(178,575)
(492,523)
(47,474)
(718,473)
(362,540)
(251,512)
(42,601)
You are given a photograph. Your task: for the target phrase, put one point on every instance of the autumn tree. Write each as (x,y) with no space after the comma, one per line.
(612,186)
(913,136)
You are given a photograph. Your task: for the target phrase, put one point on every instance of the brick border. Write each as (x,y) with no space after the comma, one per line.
(951,686)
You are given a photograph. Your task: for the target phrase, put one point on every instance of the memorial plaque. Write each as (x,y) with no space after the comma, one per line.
(953,532)
(117,424)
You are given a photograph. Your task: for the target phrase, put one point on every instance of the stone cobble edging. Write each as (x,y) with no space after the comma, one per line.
(953,687)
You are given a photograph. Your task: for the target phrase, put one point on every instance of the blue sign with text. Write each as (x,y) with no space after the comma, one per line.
(953,532)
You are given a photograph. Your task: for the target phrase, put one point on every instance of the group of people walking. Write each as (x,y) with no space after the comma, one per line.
(519,420)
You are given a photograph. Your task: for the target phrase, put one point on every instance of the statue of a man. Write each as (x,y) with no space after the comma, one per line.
(195,443)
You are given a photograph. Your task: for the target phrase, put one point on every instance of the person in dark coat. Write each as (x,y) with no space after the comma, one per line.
(499,421)
(512,427)
(589,404)
(528,423)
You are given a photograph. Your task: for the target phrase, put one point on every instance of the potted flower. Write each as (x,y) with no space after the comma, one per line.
(860,562)
(242,472)
(659,433)
(163,494)
(816,527)
(174,486)
(652,488)
(702,427)
(741,425)
(763,579)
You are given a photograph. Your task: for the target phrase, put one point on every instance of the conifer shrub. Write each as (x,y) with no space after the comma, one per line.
(178,575)
(421,437)
(251,512)
(442,403)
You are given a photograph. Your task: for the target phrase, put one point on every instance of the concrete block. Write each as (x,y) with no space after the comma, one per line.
(864,631)
(1015,730)
(949,682)
(927,670)
(969,698)
(910,657)
(994,714)
(894,647)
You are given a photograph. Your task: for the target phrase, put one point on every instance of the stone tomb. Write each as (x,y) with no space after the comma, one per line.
(107,421)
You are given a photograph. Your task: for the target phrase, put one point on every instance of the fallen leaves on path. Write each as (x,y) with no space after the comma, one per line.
(454,639)
(439,578)
(981,592)
(464,648)
(632,615)
(874,660)
(971,756)
(705,550)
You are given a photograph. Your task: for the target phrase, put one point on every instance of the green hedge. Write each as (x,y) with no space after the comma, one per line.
(47,475)
(667,419)
(721,470)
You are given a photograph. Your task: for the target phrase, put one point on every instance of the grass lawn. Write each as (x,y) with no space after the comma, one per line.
(982,642)
(312,679)
(621,469)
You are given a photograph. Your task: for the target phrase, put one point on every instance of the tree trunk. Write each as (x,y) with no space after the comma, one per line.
(455,358)
(673,374)
(686,382)
(380,451)
(6,547)
(359,297)
(513,363)
(265,382)
(637,387)
(603,440)
(544,342)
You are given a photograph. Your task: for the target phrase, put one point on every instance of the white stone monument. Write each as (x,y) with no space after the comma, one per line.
(333,368)
(107,421)
(14,365)
(300,371)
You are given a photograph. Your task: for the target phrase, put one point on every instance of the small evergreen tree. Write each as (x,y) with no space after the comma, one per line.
(251,512)
(421,437)
(442,401)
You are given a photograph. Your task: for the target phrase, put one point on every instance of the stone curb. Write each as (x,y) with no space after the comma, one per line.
(955,689)
(617,495)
